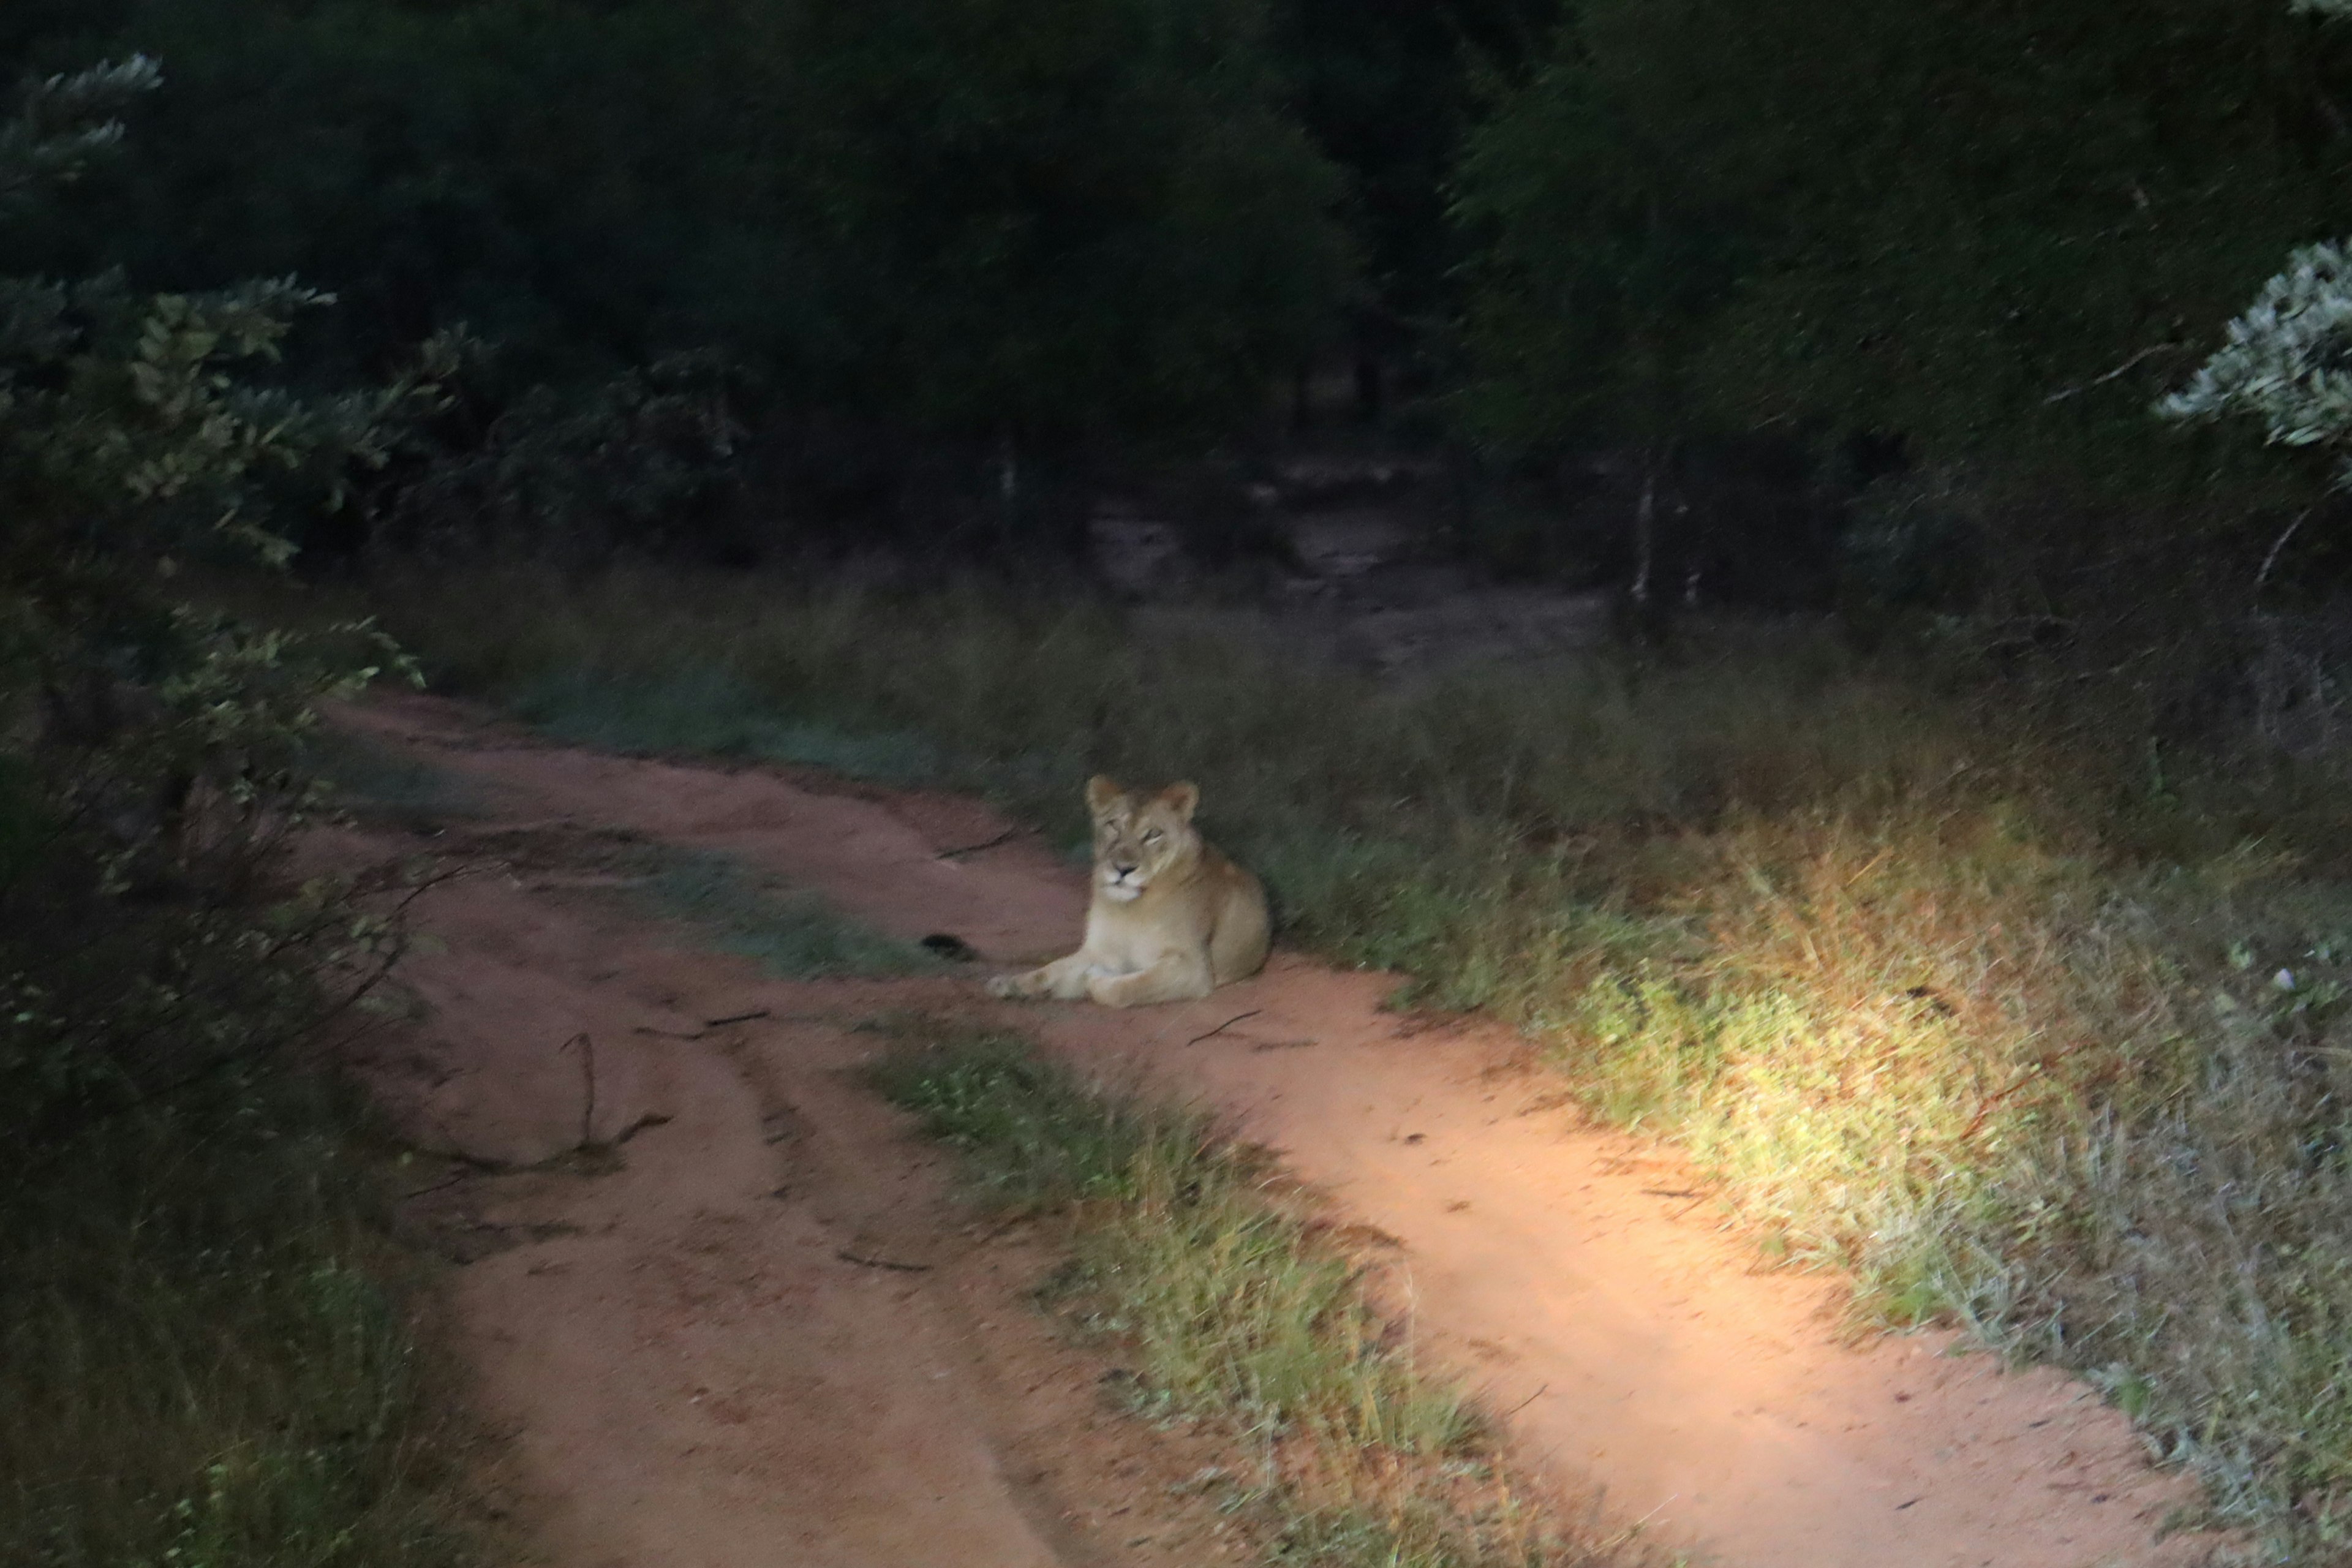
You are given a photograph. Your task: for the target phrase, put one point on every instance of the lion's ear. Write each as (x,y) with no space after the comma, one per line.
(1185,798)
(1101,791)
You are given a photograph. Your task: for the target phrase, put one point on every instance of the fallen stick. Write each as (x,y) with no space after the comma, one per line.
(884,1263)
(1223,1027)
(1007,836)
(650,1119)
(588,1078)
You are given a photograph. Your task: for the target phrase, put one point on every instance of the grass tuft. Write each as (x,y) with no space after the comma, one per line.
(1189,1252)
(366,776)
(200,1363)
(709,711)
(791,934)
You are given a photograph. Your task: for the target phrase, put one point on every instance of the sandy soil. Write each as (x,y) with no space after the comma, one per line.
(757,1332)
(767,1336)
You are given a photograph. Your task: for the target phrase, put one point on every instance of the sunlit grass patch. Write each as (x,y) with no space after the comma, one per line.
(792,934)
(1188,1252)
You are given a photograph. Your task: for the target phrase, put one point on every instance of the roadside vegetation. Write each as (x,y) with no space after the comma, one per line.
(1944,983)
(207,1346)
(1238,1309)
(792,934)
(211,1349)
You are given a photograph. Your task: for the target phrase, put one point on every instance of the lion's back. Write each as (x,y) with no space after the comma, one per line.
(1240,928)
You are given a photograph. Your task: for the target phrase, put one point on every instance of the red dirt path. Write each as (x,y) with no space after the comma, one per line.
(695,1375)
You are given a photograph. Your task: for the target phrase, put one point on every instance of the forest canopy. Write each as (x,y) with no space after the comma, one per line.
(1084,216)
(1992,228)
(1984,236)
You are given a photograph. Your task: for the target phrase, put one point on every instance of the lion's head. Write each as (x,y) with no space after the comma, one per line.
(1139,837)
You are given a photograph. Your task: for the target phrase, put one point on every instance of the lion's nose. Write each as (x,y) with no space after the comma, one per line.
(1123,867)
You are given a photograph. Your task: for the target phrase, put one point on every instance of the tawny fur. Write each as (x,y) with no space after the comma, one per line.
(1171,918)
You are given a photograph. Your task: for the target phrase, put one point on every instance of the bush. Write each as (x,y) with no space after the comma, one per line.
(972,222)
(1691,218)
(195,1336)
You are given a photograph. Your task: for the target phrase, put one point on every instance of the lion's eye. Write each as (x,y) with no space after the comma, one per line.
(1153,837)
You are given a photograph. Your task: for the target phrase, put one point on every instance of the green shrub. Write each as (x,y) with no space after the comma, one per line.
(201,1357)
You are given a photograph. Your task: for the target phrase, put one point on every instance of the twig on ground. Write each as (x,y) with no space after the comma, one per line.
(1007,836)
(884,1263)
(735,1018)
(650,1119)
(996,1231)
(450,1180)
(1223,1027)
(588,1081)
(483,1164)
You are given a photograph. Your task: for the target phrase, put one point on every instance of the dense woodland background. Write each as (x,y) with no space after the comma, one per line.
(779,271)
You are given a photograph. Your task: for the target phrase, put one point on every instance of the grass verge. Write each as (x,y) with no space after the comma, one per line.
(1187,1251)
(205,1353)
(365,775)
(792,934)
(2013,1017)
(210,1351)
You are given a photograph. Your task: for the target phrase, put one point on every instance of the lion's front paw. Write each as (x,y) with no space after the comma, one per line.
(1110,990)
(1006,986)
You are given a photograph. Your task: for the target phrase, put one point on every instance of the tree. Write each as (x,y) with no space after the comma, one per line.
(2287,362)
(149,744)
(1978,227)
(132,442)
(1389,89)
(1599,266)
(942,226)
(1056,219)
(589,186)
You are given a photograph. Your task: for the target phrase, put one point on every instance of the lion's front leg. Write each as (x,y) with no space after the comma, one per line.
(1064,980)
(1172,977)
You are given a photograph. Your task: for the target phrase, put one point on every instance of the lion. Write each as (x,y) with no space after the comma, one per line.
(1171,918)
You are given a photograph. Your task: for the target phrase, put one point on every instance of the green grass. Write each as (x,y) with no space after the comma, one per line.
(209,1350)
(709,712)
(791,934)
(201,1359)
(1941,981)
(1188,1255)
(365,775)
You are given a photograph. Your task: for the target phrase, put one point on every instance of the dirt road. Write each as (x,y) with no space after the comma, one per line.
(767,1337)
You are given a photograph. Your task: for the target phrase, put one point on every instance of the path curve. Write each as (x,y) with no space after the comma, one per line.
(1562,1269)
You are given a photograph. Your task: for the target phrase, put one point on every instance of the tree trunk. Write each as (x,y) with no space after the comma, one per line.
(1645,531)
